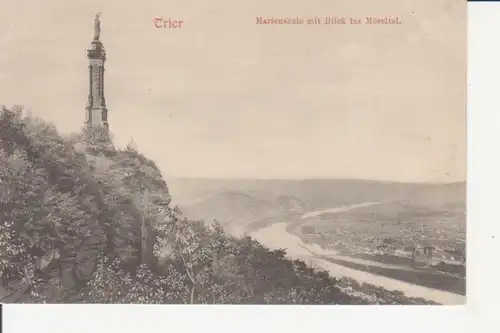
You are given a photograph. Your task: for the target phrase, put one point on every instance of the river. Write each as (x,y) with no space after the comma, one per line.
(276,236)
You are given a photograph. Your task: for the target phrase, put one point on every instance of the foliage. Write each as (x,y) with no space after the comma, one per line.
(49,203)
(377,295)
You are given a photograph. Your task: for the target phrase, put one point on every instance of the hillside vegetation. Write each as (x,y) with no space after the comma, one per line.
(81,221)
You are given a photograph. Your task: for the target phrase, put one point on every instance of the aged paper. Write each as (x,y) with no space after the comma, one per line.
(223,152)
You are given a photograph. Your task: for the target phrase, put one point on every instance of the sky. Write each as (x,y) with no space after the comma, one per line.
(225,97)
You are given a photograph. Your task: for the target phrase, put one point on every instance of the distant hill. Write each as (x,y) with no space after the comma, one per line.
(235,201)
(229,206)
(451,195)
(238,208)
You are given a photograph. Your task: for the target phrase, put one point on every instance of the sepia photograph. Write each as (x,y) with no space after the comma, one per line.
(265,152)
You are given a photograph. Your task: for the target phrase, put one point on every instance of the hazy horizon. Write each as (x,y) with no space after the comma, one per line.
(315,179)
(224,98)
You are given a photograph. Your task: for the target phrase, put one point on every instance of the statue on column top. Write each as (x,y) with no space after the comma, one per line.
(97,26)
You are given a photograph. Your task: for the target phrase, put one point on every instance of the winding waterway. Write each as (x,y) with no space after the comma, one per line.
(276,236)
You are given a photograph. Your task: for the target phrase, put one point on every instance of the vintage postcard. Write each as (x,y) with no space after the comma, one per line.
(225,152)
